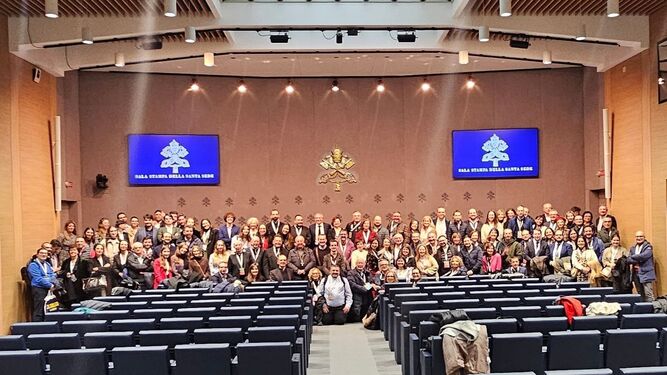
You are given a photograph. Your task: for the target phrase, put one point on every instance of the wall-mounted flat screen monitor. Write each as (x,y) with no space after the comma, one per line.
(173,159)
(495,153)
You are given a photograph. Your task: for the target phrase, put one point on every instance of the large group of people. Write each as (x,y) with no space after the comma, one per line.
(348,264)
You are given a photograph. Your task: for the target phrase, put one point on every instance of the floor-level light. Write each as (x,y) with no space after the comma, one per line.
(464,57)
(334,86)
(190,34)
(470,83)
(483,34)
(51,8)
(613,8)
(380,86)
(546,57)
(242,87)
(425,86)
(119,59)
(581,34)
(194,86)
(505,8)
(170,8)
(289,88)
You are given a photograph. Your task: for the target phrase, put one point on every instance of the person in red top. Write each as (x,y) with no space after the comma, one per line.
(365,234)
(161,267)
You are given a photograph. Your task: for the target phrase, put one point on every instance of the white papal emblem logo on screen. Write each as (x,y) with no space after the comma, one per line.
(174,155)
(495,148)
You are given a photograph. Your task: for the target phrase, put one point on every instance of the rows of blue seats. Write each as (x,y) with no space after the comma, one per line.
(567,350)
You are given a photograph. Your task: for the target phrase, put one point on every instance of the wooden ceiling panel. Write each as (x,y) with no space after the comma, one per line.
(102,8)
(567,7)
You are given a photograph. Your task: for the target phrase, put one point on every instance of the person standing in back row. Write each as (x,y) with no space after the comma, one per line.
(643,270)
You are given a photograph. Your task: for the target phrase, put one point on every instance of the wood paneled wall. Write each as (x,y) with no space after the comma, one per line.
(26,189)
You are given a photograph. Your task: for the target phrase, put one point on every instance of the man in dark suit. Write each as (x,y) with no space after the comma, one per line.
(537,247)
(239,262)
(473,224)
(274,224)
(271,256)
(360,284)
(320,250)
(441,222)
(299,230)
(559,249)
(147,231)
(396,225)
(604,213)
(457,225)
(319,227)
(166,241)
(257,255)
(139,265)
(520,222)
(282,273)
(515,268)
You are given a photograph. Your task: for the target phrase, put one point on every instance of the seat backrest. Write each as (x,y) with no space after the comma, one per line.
(657,321)
(51,341)
(134,325)
(253,311)
(520,312)
(108,340)
(169,304)
(600,323)
(600,371)
(190,324)
(300,300)
(169,337)
(495,326)
(141,360)
(597,290)
(216,303)
(486,294)
(653,370)
(202,359)
(574,350)
(544,325)
(642,308)
(84,326)
(109,314)
(460,303)
(12,342)
(538,301)
(247,302)
(26,329)
(408,306)
(444,296)
(278,320)
(623,298)
(144,297)
(282,309)
(22,362)
(153,313)
(630,348)
(271,334)
(62,316)
(556,292)
(241,321)
(400,298)
(555,310)
(264,358)
(523,293)
(129,305)
(231,336)
(475,313)
(196,312)
(504,346)
(502,302)
(78,362)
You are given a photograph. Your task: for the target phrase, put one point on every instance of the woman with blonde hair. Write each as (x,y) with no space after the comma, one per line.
(425,228)
(456,267)
(425,262)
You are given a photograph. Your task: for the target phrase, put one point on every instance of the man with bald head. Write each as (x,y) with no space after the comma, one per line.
(301,259)
(643,270)
(381,231)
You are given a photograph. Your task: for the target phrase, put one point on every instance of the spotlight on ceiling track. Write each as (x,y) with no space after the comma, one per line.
(170,9)
(352,32)
(334,86)
(289,88)
(546,57)
(483,34)
(190,34)
(505,8)
(242,87)
(339,37)
(613,8)
(194,86)
(425,86)
(464,58)
(470,83)
(209,59)
(581,34)
(86,35)
(51,8)
(406,36)
(520,41)
(661,81)
(380,86)
(119,60)
(279,37)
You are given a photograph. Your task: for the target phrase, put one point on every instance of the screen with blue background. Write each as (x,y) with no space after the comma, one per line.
(497,153)
(173,159)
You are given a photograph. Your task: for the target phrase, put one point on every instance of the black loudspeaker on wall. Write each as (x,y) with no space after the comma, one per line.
(101,181)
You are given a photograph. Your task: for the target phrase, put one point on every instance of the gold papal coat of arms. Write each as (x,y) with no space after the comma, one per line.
(337,167)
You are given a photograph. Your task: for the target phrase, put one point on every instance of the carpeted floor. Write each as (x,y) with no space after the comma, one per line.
(350,349)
